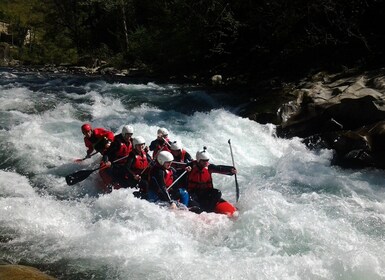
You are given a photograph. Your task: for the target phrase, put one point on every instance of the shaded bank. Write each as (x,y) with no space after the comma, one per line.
(344,112)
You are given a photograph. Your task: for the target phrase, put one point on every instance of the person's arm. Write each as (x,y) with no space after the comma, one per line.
(130,161)
(110,154)
(222,169)
(89,146)
(188,158)
(101,132)
(158,179)
(153,145)
(110,135)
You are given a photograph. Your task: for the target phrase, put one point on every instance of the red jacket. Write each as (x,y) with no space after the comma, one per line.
(98,139)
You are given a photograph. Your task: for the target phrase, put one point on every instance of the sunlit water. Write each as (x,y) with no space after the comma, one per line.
(300,218)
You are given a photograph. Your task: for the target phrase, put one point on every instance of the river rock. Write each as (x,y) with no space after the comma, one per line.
(345,113)
(21,272)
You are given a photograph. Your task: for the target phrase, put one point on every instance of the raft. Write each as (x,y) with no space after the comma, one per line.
(226,208)
(223,207)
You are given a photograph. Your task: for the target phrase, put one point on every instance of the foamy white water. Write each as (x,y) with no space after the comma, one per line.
(300,218)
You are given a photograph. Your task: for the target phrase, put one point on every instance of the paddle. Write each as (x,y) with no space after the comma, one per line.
(81,159)
(81,175)
(173,183)
(235,175)
(166,142)
(152,163)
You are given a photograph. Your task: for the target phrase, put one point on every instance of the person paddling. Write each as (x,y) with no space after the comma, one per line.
(162,142)
(98,139)
(180,154)
(121,147)
(162,177)
(137,166)
(181,159)
(200,184)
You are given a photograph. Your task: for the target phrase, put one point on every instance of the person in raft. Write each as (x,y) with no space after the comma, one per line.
(161,178)
(200,184)
(98,139)
(118,151)
(160,143)
(137,167)
(181,159)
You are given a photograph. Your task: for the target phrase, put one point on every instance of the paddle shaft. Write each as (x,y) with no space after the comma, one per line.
(173,183)
(152,161)
(235,175)
(83,174)
(81,159)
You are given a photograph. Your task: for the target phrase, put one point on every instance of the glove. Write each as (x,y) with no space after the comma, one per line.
(173,204)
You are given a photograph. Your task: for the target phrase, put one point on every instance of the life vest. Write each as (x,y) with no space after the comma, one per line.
(140,163)
(181,157)
(199,178)
(168,177)
(123,150)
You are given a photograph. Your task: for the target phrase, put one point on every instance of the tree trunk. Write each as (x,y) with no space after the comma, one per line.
(124,21)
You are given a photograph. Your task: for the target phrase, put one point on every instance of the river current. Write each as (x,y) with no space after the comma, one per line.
(299,217)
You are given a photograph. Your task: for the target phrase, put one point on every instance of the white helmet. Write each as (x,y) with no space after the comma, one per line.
(138,140)
(164,156)
(127,129)
(162,132)
(176,146)
(202,155)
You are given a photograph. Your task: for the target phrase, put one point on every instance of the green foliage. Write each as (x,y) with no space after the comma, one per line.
(187,36)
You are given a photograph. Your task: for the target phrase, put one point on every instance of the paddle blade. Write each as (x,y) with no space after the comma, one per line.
(78,176)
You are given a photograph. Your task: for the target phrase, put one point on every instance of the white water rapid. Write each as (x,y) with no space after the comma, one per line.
(300,218)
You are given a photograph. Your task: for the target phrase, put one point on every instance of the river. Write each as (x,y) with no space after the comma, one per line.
(299,217)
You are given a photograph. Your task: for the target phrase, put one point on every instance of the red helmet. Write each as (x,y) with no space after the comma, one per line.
(86,127)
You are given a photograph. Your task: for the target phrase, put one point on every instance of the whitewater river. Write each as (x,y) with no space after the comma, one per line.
(300,218)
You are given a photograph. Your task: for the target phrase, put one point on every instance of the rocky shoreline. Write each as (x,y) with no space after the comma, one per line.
(344,112)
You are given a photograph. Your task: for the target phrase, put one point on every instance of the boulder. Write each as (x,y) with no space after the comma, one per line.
(20,272)
(346,114)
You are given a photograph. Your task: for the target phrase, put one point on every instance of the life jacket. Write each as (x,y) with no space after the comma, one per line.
(140,163)
(181,157)
(199,178)
(168,177)
(123,149)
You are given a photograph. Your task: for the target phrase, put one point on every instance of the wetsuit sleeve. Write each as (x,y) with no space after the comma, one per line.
(111,152)
(130,161)
(187,158)
(191,163)
(153,145)
(221,169)
(150,160)
(160,185)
